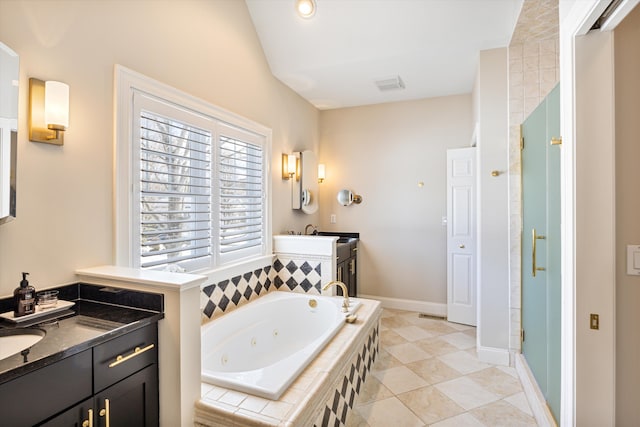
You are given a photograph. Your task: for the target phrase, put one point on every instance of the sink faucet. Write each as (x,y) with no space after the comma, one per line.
(345,293)
(314,232)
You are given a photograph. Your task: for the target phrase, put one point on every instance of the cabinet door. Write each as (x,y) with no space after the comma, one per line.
(38,395)
(353,277)
(78,416)
(133,402)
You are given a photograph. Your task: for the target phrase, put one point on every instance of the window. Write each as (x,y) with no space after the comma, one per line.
(198,180)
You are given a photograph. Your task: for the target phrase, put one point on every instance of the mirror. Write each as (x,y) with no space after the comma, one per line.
(9,78)
(304,192)
(346,197)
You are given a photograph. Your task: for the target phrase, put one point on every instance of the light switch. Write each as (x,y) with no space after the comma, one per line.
(633,260)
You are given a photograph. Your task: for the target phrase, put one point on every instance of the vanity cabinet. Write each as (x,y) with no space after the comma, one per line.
(347,266)
(115,383)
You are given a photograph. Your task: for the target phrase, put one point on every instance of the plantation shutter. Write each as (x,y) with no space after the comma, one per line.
(175,191)
(241,195)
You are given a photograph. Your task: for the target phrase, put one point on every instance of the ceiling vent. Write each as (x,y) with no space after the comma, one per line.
(393,83)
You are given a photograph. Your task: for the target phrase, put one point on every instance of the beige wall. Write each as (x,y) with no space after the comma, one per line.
(382,152)
(627,106)
(206,48)
(490,96)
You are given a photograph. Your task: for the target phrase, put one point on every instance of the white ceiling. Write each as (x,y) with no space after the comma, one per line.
(333,58)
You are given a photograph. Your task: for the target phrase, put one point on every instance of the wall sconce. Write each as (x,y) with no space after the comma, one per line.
(290,166)
(48,111)
(321,173)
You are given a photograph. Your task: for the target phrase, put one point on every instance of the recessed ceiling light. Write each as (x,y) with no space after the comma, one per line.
(305,8)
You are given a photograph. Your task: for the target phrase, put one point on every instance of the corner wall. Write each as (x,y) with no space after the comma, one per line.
(627,149)
(491,102)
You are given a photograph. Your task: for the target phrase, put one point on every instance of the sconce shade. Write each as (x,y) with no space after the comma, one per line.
(293,163)
(289,165)
(321,172)
(56,105)
(48,116)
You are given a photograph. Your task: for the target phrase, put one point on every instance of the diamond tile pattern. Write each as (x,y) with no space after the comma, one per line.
(338,406)
(219,297)
(296,275)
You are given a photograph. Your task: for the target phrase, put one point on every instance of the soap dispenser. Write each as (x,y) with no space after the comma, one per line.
(24,298)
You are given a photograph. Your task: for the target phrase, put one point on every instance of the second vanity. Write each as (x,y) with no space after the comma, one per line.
(95,366)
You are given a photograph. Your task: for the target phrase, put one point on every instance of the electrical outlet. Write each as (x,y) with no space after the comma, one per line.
(594,322)
(332,219)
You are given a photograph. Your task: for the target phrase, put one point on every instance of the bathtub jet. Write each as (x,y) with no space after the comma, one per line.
(262,347)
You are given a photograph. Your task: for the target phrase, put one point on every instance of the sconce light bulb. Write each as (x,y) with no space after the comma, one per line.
(56,105)
(321,172)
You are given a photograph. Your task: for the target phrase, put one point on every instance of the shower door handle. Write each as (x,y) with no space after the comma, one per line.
(534,237)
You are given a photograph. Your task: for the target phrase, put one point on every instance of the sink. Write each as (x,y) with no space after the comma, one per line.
(13,341)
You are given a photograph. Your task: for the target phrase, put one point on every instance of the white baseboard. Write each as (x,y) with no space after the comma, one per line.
(430,308)
(537,402)
(495,356)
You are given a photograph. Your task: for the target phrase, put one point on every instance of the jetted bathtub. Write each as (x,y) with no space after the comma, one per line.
(262,347)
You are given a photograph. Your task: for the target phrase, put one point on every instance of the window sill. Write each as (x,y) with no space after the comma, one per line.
(228,271)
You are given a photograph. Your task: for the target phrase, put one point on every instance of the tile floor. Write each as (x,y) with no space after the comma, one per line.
(427,374)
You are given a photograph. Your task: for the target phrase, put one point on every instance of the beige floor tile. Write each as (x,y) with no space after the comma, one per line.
(438,327)
(519,400)
(385,361)
(389,412)
(463,420)
(466,393)
(373,390)
(436,346)
(460,340)
(502,413)
(430,404)
(407,353)
(413,333)
(461,327)
(463,362)
(400,379)
(496,381)
(433,371)
(354,419)
(391,337)
(394,322)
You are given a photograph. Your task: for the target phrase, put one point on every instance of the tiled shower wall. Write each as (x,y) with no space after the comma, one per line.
(533,72)
(296,275)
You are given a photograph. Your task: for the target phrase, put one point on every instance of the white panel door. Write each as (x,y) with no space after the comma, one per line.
(461,236)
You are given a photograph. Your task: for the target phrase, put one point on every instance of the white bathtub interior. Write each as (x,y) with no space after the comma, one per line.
(261,347)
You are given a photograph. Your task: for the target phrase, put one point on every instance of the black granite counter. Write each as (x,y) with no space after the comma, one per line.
(99,314)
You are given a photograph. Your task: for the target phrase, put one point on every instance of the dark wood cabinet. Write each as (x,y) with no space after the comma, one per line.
(114,383)
(347,266)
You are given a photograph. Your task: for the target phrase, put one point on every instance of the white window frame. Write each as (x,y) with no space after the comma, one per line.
(127,84)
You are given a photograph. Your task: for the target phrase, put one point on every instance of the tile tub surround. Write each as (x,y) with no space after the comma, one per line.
(291,274)
(319,395)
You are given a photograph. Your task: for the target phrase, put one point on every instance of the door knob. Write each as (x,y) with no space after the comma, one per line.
(461,246)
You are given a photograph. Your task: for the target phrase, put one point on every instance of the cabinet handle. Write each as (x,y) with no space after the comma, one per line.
(351,265)
(340,274)
(136,352)
(88,422)
(105,412)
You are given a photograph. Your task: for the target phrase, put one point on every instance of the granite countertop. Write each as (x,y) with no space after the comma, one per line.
(98,315)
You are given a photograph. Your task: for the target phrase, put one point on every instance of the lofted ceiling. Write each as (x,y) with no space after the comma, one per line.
(333,58)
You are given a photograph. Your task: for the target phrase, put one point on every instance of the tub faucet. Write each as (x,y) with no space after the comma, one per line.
(345,293)
(313,227)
